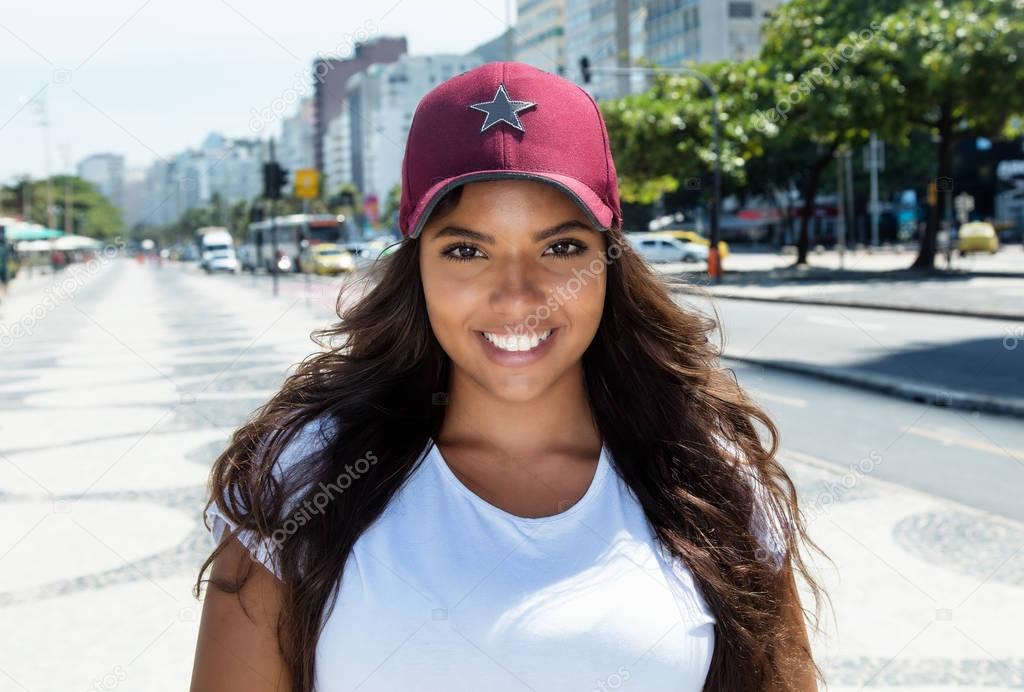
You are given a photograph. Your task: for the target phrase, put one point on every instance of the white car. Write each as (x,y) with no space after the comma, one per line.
(222,260)
(656,249)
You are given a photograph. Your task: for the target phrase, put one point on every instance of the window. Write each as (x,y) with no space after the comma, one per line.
(741,10)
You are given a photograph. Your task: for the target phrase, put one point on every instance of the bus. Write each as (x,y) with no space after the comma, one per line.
(294,232)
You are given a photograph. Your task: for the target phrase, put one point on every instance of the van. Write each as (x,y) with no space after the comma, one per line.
(216,250)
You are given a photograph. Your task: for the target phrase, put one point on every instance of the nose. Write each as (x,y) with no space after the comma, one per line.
(518,288)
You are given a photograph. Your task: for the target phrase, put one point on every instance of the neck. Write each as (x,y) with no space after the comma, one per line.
(558,419)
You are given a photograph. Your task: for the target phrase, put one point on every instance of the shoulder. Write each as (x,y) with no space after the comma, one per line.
(770,523)
(771,528)
(310,439)
(289,472)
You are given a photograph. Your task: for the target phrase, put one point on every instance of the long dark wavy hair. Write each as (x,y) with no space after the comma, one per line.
(679,427)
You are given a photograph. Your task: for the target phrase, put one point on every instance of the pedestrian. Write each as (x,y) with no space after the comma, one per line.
(518,463)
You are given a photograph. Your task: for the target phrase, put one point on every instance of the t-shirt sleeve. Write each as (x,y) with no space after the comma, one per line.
(310,438)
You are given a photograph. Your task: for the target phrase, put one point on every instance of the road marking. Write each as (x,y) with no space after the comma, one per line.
(950,439)
(778,398)
(847,324)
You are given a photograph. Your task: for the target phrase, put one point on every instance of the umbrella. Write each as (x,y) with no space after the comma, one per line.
(33,245)
(75,242)
(25,231)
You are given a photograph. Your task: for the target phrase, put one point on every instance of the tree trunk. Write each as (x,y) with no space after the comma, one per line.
(944,184)
(810,192)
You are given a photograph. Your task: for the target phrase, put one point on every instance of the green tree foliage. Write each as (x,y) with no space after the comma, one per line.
(92,213)
(963,66)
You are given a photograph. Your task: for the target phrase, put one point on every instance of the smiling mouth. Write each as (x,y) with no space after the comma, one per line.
(514,343)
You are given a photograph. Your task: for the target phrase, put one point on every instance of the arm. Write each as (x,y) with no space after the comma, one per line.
(236,651)
(799,674)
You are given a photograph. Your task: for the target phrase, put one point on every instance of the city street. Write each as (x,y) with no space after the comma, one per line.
(120,387)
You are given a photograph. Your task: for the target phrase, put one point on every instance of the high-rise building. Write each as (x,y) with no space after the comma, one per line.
(540,34)
(381,102)
(337,153)
(591,31)
(106,172)
(133,196)
(295,148)
(667,33)
(330,80)
(228,169)
(705,30)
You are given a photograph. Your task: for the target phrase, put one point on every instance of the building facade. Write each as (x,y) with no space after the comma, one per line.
(106,172)
(381,102)
(330,82)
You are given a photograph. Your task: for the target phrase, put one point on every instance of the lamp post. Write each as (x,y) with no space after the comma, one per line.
(714,260)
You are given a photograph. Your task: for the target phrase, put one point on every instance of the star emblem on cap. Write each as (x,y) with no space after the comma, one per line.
(502,109)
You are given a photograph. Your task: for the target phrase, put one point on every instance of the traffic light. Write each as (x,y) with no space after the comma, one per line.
(274,180)
(585,69)
(255,213)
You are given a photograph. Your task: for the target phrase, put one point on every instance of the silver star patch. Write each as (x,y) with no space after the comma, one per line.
(502,109)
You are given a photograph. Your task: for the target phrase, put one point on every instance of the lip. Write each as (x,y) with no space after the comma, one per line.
(518,358)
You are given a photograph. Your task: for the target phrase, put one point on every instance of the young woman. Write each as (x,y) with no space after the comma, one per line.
(517,464)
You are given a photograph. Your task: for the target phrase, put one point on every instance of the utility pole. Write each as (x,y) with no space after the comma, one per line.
(45,124)
(273,227)
(851,206)
(69,207)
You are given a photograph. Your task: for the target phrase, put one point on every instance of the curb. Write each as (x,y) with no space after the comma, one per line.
(924,310)
(900,388)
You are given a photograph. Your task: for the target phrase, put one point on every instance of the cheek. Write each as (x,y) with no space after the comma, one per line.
(451,300)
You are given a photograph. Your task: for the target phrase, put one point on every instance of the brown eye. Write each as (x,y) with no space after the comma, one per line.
(462,252)
(566,248)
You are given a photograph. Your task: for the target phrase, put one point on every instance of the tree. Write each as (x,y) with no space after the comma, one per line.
(963,65)
(93,214)
(830,90)
(664,137)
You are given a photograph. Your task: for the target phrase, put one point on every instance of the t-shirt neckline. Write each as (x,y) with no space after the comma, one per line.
(592,491)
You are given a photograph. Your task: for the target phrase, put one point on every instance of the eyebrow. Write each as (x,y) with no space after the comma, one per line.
(537,237)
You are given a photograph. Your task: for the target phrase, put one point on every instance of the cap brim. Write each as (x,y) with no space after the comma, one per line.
(598,213)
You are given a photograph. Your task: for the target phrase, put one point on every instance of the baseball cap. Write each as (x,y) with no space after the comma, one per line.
(508,120)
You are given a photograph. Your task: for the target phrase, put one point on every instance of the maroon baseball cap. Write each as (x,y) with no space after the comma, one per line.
(508,120)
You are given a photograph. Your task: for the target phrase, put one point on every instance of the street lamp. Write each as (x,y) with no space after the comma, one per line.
(714,260)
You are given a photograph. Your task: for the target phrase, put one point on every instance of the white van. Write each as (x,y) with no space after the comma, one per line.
(216,250)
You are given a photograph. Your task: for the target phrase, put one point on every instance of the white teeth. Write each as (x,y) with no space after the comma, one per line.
(517,342)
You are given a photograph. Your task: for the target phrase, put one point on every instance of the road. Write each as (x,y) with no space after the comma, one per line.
(950,354)
(118,395)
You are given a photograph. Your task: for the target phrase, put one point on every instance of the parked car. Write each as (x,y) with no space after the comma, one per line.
(977,236)
(326,258)
(655,247)
(694,237)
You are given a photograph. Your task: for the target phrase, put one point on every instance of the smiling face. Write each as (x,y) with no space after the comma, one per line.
(514,283)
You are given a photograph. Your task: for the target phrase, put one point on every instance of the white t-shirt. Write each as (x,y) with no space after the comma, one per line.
(448,592)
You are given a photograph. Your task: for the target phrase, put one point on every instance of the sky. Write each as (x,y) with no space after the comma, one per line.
(149,78)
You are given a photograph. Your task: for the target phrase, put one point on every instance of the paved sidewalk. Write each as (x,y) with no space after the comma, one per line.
(115,404)
(988,287)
